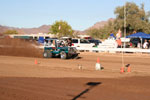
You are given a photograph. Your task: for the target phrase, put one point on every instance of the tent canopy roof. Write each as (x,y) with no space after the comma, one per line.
(139,35)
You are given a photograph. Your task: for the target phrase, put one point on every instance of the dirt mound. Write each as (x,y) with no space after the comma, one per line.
(18,47)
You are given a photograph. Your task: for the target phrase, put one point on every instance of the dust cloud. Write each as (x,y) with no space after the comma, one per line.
(18,47)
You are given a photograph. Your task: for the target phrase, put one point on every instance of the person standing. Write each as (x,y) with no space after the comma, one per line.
(148,43)
(145,45)
(118,38)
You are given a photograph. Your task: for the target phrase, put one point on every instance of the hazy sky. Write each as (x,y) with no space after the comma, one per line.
(80,14)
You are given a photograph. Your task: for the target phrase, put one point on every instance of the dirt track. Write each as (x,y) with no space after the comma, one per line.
(55,79)
(136,88)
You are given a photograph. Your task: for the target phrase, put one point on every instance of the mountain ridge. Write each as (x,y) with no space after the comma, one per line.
(45,28)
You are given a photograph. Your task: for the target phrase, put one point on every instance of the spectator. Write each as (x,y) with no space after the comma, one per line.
(130,45)
(145,45)
(148,43)
(119,43)
(139,45)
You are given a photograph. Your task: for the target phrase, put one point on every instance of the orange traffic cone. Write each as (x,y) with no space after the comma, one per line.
(98,65)
(98,60)
(122,70)
(129,69)
(35,61)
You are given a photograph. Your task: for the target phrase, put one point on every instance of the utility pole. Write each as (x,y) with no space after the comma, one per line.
(125,19)
(124,35)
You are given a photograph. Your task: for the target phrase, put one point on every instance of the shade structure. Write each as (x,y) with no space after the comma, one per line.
(139,35)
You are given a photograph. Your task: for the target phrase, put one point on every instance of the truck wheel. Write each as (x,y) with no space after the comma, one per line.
(75,56)
(63,55)
(47,54)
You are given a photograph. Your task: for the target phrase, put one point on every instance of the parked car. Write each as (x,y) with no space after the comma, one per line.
(81,43)
(96,42)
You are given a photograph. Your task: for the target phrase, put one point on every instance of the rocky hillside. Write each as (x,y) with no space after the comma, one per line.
(41,29)
(101,24)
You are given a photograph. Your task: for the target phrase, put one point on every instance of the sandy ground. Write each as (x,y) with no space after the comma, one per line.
(56,79)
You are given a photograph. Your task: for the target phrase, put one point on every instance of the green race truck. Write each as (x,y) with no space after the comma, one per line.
(55,49)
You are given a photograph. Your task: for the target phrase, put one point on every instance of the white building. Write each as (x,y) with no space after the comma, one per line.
(33,36)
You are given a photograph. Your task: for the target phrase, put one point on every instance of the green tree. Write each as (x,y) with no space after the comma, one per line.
(10,32)
(61,28)
(136,18)
(93,33)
